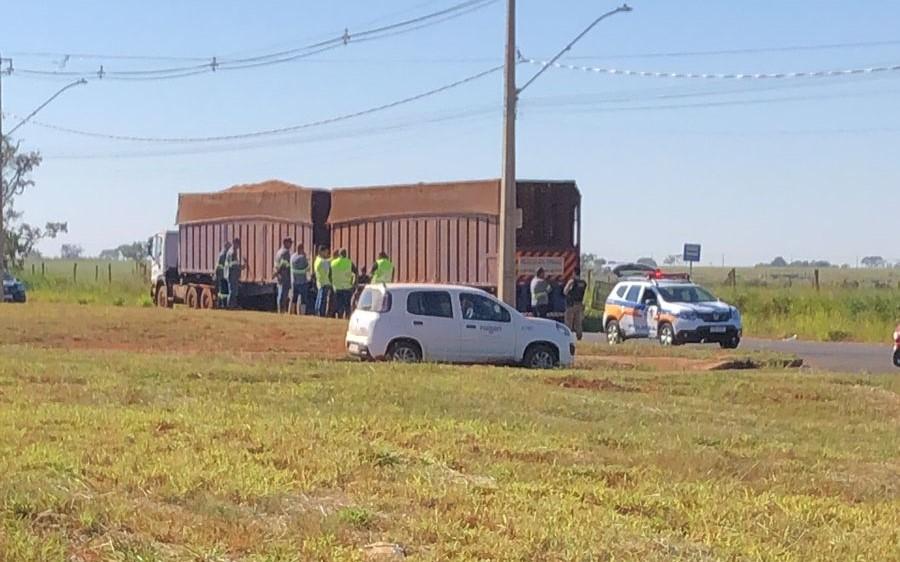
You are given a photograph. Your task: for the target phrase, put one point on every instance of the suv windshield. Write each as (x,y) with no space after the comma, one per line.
(686,293)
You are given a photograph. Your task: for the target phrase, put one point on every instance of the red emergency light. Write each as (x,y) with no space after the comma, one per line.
(659,274)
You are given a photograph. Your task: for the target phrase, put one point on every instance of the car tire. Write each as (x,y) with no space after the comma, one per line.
(733,343)
(667,335)
(897,358)
(405,352)
(613,332)
(541,356)
(162,297)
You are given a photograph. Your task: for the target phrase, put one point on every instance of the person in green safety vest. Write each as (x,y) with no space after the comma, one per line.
(282,274)
(299,281)
(343,277)
(322,269)
(383,270)
(234,264)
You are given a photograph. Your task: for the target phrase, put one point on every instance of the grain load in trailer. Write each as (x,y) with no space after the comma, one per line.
(261,216)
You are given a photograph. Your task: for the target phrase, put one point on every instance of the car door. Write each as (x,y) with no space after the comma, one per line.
(487,329)
(630,308)
(433,324)
(650,300)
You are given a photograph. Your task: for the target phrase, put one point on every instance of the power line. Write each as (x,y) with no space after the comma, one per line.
(276,131)
(716,76)
(215,64)
(744,51)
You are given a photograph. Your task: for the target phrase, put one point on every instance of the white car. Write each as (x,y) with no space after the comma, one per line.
(671,309)
(453,324)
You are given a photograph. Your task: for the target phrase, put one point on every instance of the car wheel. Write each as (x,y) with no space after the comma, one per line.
(897,358)
(162,297)
(732,343)
(666,335)
(541,356)
(405,352)
(613,332)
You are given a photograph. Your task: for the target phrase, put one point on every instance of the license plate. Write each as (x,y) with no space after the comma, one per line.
(717,329)
(353,348)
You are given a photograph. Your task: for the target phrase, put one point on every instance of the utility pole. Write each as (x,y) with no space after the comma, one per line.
(506,262)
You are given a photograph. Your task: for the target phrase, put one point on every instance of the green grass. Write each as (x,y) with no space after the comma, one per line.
(60,282)
(107,455)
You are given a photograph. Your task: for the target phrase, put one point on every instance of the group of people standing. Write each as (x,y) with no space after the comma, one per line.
(573,291)
(337,280)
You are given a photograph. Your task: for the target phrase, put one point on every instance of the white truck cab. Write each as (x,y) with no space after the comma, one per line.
(453,324)
(162,250)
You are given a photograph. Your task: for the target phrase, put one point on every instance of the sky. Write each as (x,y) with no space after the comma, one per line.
(751,169)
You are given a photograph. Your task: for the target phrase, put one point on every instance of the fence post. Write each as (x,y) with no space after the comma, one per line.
(32,270)
(816,275)
(96,272)
(109,266)
(42,269)
(75,272)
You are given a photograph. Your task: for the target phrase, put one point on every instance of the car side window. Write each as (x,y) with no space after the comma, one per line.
(650,298)
(620,292)
(430,303)
(482,309)
(633,293)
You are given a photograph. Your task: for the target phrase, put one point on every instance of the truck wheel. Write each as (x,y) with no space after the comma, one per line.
(162,297)
(666,335)
(192,299)
(207,302)
(541,356)
(613,333)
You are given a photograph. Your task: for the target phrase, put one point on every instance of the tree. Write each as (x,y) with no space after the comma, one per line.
(135,251)
(590,262)
(873,261)
(779,262)
(18,238)
(672,259)
(649,262)
(71,251)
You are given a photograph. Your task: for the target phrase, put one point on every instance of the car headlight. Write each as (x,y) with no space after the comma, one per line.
(563,330)
(687,315)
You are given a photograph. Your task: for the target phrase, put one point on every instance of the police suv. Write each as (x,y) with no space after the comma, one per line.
(453,324)
(670,308)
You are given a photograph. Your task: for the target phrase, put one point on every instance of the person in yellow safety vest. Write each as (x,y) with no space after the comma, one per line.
(322,269)
(383,270)
(343,276)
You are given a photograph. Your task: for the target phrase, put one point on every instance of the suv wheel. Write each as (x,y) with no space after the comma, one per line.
(666,335)
(405,352)
(613,332)
(541,356)
(732,343)
(897,358)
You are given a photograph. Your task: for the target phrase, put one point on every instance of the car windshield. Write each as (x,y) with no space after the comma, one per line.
(8,277)
(686,293)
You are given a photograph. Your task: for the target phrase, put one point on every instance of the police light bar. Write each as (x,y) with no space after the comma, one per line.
(659,274)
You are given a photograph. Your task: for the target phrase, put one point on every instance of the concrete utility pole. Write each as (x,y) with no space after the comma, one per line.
(506,262)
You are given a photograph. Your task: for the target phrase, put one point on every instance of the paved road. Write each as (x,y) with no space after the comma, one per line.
(836,357)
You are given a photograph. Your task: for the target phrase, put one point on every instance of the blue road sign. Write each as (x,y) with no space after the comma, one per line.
(692,253)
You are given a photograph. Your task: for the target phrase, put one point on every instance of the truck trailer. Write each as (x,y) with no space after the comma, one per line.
(434,233)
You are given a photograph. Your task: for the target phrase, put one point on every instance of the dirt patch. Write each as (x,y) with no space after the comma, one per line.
(681,364)
(604,385)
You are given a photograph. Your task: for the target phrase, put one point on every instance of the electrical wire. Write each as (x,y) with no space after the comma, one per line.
(215,64)
(716,76)
(744,51)
(276,131)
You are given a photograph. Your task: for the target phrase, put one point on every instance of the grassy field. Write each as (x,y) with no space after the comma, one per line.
(144,434)
(88,282)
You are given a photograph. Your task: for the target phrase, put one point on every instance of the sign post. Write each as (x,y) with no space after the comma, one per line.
(691,255)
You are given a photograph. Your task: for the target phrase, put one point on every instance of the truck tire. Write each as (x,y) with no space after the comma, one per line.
(207,301)
(162,297)
(192,298)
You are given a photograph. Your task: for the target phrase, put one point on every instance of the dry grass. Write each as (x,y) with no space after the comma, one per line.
(236,452)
